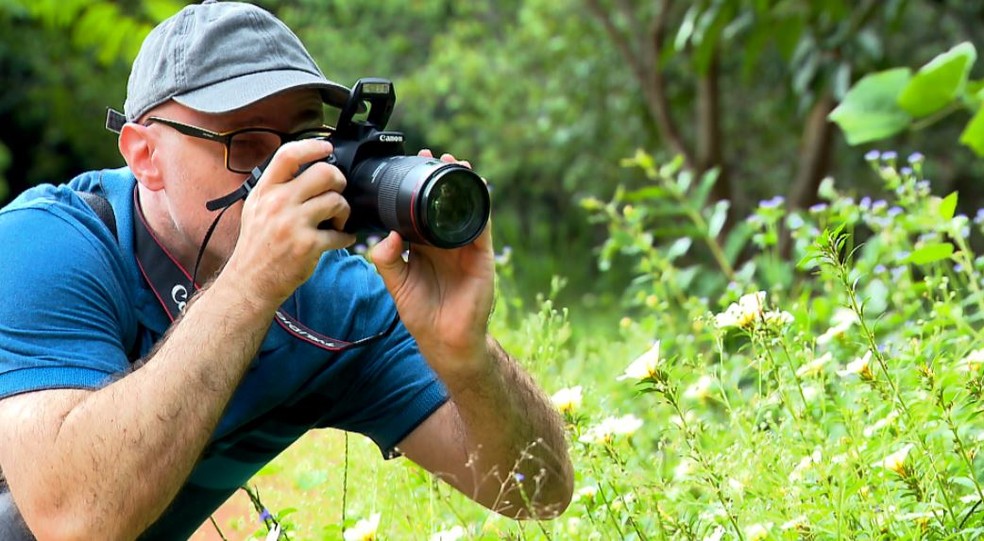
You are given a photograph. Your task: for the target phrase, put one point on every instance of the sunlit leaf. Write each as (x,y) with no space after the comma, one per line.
(973,134)
(948,206)
(869,111)
(939,82)
(930,253)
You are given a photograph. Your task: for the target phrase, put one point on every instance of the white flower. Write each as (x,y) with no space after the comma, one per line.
(815,366)
(972,362)
(842,320)
(683,468)
(606,430)
(364,530)
(743,313)
(777,318)
(896,461)
(794,523)
(716,535)
(757,532)
(454,534)
(859,367)
(701,389)
(646,366)
(880,424)
(810,392)
(587,493)
(567,400)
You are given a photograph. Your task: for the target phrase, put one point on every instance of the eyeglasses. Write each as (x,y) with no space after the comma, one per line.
(244,148)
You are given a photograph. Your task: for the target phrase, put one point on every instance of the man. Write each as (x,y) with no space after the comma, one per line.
(118,423)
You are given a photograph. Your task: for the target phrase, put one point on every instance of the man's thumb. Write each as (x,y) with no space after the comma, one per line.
(387,255)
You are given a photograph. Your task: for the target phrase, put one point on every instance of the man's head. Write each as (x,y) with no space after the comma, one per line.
(223,67)
(217,57)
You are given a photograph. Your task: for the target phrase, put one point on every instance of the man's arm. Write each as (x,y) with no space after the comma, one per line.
(498,441)
(498,423)
(105,464)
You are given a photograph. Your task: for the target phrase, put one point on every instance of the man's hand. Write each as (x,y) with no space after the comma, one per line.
(444,296)
(279,243)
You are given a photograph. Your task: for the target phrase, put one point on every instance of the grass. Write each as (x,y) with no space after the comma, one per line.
(836,395)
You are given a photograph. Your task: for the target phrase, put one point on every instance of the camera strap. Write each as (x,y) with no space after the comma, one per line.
(173,286)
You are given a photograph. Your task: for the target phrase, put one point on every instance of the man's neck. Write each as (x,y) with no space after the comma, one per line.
(178,244)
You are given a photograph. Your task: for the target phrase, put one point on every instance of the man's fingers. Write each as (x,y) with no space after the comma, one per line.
(318,179)
(290,157)
(387,255)
(330,206)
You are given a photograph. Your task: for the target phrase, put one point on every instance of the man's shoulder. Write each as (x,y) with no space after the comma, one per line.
(113,184)
(49,224)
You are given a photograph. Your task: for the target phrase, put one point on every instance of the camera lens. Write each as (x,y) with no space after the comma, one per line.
(454,207)
(426,200)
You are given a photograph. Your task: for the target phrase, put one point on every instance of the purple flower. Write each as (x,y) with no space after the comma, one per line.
(905,171)
(979,217)
(519,477)
(265,515)
(865,203)
(872,155)
(880,269)
(820,207)
(916,158)
(889,155)
(772,203)
(894,211)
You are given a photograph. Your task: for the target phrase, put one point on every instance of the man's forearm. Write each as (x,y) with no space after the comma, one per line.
(120,454)
(515,439)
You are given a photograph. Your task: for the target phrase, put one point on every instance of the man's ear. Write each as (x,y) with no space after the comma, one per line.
(137,145)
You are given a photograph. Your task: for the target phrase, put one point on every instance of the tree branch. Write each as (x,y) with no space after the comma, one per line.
(645,67)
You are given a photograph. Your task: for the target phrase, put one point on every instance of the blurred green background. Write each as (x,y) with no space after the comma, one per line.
(544,97)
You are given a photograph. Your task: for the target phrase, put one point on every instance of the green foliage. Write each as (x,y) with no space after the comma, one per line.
(844,405)
(870,111)
(883,104)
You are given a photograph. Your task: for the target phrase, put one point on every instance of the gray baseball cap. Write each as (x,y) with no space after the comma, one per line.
(217,57)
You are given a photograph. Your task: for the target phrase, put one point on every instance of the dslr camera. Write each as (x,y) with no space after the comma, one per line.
(426,200)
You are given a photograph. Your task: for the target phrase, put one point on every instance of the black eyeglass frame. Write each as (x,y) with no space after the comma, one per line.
(226,137)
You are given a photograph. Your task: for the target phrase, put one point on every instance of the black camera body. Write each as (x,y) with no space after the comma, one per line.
(424,199)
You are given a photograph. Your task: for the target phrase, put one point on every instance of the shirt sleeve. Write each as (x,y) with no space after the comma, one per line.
(61,301)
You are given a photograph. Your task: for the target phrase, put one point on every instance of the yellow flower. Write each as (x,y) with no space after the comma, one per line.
(364,530)
(567,400)
(645,366)
(896,461)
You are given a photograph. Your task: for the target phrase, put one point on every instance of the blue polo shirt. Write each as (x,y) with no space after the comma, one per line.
(74,309)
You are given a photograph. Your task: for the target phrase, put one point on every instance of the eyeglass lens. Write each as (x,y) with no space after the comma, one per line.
(250,148)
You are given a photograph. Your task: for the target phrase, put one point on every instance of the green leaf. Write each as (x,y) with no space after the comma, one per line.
(718,216)
(948,207)
(939,82)
(870,111)
(973,134)
(930,253)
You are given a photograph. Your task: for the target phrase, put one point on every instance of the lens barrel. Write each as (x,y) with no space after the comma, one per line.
(426,200)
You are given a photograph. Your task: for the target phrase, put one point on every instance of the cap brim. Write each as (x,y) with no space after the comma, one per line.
(234,94)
